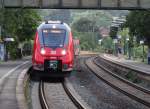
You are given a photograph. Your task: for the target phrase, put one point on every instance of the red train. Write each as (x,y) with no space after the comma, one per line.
(53,47)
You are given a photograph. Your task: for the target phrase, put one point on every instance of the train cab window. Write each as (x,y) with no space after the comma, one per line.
(54,37)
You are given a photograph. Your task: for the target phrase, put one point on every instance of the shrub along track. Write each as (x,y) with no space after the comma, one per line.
(128,88)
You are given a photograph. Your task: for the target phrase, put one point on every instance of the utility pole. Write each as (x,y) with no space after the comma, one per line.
(142,43)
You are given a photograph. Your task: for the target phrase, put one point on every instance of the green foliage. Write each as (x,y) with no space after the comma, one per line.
(27,47)
(87,25)
(59,14)
(88,40)
(124,35)
(139,24)
(19,24)
(113,32)
(107,44)
(101,18)
(12,49)
(132,76)
(138,51)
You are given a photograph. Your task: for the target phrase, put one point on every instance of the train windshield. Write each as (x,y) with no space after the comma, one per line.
(54,37)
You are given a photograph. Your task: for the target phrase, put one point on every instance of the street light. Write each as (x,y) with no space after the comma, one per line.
(115,41)
(128,48)
(119,44)
(119,36)
(100,41)
(142,43)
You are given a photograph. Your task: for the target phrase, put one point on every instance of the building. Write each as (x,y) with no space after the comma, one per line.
(104,31)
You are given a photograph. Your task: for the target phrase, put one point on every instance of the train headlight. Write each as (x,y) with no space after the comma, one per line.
(43,51)
(63,52)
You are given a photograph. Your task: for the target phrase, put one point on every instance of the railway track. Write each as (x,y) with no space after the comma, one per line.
(140,71)
(67,87)
(95,61)
(128,88)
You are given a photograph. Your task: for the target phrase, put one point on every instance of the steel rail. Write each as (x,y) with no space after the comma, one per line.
(42,98)
(122,86)
(122,79)
(73,95)
(70,93)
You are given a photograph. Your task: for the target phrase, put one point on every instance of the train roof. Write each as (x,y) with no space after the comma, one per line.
(54,24)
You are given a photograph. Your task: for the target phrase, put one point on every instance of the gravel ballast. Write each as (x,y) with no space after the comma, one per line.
(98,94)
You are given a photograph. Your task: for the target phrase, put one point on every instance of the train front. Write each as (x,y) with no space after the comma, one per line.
(53,48)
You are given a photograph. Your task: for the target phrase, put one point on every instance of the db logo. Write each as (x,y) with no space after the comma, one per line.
(53,52)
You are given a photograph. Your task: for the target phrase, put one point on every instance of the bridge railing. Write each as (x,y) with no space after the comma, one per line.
(77,4)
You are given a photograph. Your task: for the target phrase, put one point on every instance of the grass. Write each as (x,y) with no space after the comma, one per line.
(1,61)
(27,91)
(132,76)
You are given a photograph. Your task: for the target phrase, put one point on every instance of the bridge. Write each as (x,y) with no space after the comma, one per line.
(77,4)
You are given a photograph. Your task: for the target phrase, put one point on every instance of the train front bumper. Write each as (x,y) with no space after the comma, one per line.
(51,66)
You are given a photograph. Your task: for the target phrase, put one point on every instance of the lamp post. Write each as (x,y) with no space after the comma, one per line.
(100,41)
(119,44)
(115,41)
(134,42)
(142,43)
(128,48)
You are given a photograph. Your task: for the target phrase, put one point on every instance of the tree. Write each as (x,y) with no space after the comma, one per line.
(19,24)
(101,18)
(84,25)
(124,38)
(87,31)
(139,25)
(88,41)
(107,43)
(62,15)
(113,32)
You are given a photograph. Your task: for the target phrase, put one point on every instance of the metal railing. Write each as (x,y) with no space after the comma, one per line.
(77,4)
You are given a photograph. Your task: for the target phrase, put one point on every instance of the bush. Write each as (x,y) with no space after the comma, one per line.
(88,40)
(27,48)
(12,50)
(107,45)
(138,51)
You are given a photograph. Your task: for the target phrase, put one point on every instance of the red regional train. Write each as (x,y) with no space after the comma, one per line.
(53,47)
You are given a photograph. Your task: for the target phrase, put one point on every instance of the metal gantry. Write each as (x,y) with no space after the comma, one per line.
(77,4)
